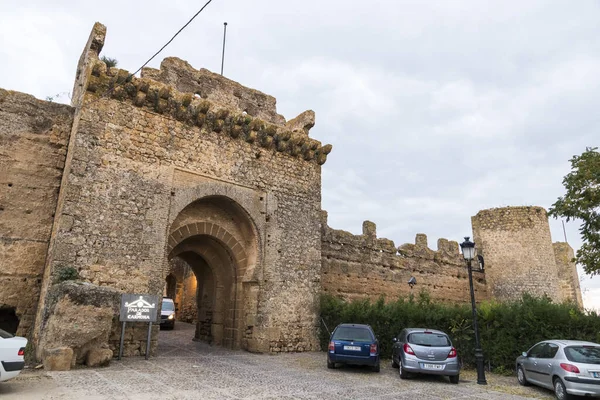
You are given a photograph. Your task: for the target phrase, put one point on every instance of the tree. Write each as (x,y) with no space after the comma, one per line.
(582,201)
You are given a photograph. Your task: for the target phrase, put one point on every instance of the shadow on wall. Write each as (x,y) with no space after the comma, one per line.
(9,320)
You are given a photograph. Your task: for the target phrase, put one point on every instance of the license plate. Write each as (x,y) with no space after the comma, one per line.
(352,348)
(596,374)
(433,366)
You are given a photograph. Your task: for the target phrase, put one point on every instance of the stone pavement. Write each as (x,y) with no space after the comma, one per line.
(189,370)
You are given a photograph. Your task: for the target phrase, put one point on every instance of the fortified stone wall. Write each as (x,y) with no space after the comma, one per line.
(143,171)
(519,256)
(119,193)
(364,266)
(33,144)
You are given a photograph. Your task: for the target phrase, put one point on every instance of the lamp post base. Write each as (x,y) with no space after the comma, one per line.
(480,367)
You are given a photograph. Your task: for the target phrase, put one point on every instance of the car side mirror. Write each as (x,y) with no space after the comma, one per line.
(524,354)
(394,340)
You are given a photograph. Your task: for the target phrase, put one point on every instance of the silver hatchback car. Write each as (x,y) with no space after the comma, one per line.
(425,351)
(569,367)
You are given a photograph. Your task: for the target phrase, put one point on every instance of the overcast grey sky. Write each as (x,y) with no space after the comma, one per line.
(435,109)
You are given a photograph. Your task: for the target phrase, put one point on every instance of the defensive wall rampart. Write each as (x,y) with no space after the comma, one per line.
(359,266)
(33,145)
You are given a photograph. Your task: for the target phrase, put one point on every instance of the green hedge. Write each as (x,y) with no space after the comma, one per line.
(506,329)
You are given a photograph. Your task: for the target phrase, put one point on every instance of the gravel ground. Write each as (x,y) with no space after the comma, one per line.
(188,370)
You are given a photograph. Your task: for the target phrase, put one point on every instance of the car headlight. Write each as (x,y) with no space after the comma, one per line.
(171,316)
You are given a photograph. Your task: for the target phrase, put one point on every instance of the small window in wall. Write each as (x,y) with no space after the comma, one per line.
(9,321)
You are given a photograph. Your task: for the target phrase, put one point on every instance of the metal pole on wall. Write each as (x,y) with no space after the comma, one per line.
(564,230)
(148,341)
(223,55)
(121,343)
(478,352)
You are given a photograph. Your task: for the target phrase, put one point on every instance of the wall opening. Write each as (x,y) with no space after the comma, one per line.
(9,321)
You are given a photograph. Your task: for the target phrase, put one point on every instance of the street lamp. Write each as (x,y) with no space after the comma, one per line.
(468,250)
(412,282)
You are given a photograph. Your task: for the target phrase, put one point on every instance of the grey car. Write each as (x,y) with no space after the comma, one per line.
(425,351)
(569,367)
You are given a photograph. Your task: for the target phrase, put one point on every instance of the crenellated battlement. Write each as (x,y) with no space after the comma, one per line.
(447,250)
(224,92)
(209,116)
(355,266)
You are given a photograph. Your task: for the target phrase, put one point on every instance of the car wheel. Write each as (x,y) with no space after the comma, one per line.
(376,368)
(521,376)
(330,364)
(560,391)
(402,372)
(454,379)
(394,363)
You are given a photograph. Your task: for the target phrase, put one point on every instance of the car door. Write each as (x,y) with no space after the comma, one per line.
(530,364)
(546,363)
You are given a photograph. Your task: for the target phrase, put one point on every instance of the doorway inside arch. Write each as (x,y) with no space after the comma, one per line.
(212,243)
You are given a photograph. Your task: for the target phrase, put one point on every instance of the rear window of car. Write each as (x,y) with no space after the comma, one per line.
(583,354)
(352,333)
(168,306)
(5,335)
(429,339)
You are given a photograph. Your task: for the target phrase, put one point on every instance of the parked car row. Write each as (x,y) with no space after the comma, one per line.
(567,367)
(415,351)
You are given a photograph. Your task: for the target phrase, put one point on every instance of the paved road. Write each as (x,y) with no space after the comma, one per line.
(188,370)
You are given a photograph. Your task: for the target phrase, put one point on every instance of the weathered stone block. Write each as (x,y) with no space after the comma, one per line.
(98,357)
(58,359)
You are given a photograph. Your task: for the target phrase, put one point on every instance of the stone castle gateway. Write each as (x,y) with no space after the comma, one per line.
(186,183)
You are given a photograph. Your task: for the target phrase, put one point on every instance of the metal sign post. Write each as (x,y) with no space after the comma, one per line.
(121,342)
(138,308)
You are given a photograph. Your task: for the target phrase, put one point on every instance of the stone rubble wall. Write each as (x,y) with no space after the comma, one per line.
(33,144)
(364,266)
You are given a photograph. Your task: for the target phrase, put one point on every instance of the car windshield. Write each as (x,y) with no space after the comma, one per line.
(5,335)
(583,354)
(429,339)
(167,306)
(352,333)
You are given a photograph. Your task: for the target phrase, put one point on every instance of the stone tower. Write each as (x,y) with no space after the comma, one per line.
(520,257)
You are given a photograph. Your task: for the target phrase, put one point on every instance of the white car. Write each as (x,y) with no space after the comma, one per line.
(12,355)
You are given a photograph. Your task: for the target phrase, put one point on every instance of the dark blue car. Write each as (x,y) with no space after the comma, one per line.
(353,344)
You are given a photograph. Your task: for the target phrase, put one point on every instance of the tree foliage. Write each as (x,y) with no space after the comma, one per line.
(506,329)
(582,201)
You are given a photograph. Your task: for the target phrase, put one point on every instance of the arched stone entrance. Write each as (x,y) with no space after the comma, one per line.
(217,239)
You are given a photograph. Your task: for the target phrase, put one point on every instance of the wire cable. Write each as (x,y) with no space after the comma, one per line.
(174,36)
(110,90)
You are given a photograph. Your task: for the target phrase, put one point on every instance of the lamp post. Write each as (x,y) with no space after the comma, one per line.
(468,250)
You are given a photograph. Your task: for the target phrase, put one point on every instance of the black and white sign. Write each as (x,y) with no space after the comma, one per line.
(138,308)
